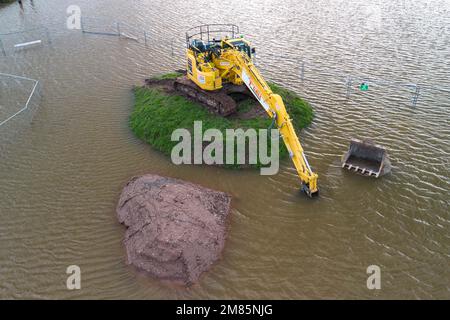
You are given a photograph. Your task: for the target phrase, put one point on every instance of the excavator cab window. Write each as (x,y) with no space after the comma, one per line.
(247,50)
(199,45)
(242,46)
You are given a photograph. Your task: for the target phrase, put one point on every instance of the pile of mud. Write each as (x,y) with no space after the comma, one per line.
(176,230)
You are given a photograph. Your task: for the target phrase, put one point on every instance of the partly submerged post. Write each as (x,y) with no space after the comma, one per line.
(118,28)
(81,23)
(416,95)
(302,71)
(48,36)
(3,48)
(145,37)
(349,85)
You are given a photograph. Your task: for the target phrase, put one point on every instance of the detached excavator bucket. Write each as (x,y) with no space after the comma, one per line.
(366,158)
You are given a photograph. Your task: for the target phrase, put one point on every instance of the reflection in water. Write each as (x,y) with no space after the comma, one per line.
(61,180)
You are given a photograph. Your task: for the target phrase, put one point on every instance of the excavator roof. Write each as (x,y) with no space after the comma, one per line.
(210,32)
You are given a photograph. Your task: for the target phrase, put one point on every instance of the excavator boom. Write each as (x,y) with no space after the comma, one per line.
(229,60)
(275,108)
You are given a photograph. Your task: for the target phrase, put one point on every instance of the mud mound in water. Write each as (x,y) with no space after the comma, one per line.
(176,230)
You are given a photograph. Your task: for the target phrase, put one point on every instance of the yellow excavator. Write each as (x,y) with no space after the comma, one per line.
(218,62)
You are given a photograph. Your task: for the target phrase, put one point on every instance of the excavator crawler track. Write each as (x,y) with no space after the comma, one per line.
(218,102)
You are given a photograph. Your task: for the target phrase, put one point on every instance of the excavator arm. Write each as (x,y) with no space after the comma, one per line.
(244,68)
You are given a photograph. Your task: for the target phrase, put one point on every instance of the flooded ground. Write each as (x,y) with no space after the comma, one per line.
(62,176)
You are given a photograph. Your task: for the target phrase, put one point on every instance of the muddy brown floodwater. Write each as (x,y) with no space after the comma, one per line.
(61,178)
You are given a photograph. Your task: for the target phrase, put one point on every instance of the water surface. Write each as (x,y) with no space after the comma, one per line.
(62,176)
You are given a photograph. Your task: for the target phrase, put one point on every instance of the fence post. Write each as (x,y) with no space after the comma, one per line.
(302,71)
(349,86)
(48,36)
(416,96)
(3,48)
(82,25)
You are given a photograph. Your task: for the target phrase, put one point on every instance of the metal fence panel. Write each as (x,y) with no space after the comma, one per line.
(15,42)
(19,101)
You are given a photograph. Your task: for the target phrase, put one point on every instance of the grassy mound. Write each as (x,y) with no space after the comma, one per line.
(157,114)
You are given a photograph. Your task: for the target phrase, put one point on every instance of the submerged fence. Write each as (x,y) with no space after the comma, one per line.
(24,96)
(13,42)
(114,28)
(305,70)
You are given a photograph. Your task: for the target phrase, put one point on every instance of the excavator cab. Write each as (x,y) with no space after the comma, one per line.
(242,46)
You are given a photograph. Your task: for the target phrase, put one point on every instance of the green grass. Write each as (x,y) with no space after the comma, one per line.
(300,111)
(157,114)
(245,105)
(171,75)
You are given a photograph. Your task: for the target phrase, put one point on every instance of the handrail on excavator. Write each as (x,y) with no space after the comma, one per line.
(233,29)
